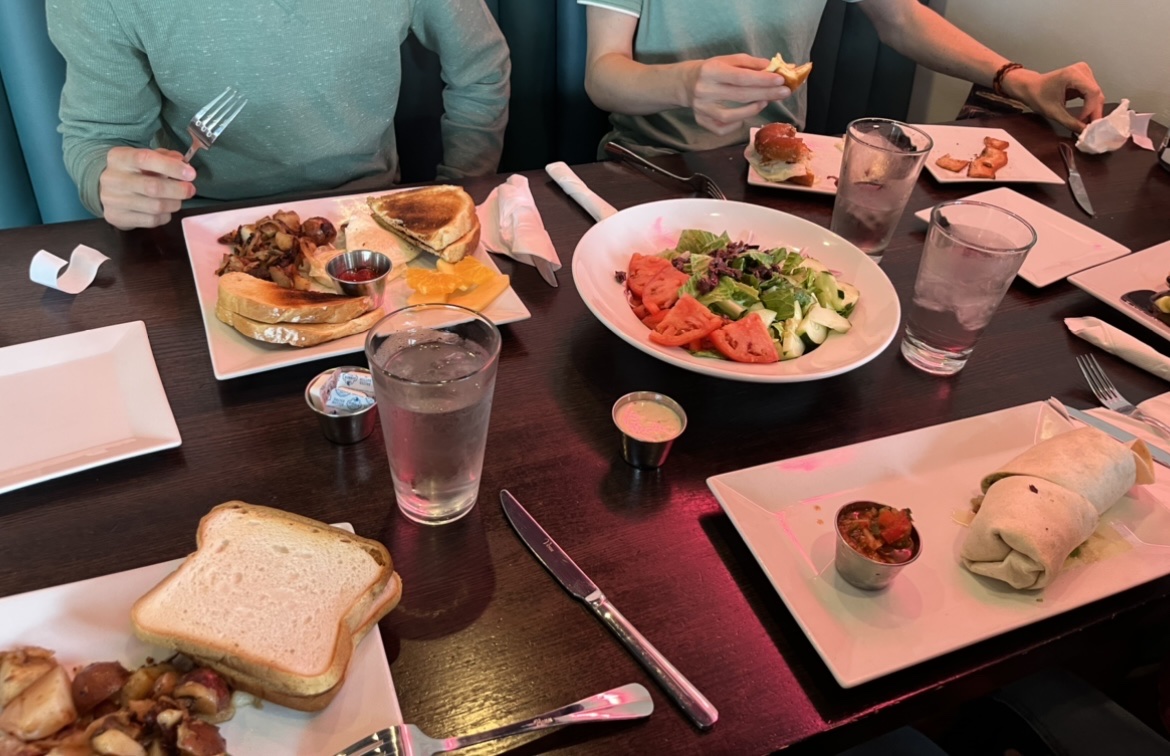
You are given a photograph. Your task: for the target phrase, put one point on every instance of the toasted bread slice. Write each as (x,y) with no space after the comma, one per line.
(264,301)
(433,217)
(794,75)
(273,595)
(298,334)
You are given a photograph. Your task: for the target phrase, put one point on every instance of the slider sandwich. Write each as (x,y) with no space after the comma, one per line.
(779,155)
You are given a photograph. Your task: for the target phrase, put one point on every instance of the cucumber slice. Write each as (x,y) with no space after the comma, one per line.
(815,332)
(848,294)
(765,315)
(791,346)
(829,319)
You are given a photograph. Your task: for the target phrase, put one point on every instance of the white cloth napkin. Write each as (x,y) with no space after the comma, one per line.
(1100,333)
(79,272)
(510,224)
(1111,132)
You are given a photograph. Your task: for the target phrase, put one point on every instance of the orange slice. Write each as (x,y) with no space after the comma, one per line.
(469,271)
(431,282)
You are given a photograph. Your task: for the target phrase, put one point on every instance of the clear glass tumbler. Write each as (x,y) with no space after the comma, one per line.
(879,168)
(972,253)
(434,369)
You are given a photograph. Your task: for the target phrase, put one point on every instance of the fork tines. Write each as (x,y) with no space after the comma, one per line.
(219,113)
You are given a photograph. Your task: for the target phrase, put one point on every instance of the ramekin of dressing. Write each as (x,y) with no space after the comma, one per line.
(649,422)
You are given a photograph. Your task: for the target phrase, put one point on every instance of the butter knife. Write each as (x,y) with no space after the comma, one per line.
(544,267)
(575,188)
(1160,455)
(576,582)
(1075,182)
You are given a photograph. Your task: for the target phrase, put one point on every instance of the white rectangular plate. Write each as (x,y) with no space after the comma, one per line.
(102,401)
(965,142)
(1146,269)
(784,512)
(1063,246)
(89,621)
(825,162)
(233,354)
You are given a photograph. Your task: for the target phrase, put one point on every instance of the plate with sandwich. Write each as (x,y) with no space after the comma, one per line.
(964,154)
(279,611)
(268,302)
(780,157)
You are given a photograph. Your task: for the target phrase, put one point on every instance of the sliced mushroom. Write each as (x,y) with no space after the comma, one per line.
(206,694)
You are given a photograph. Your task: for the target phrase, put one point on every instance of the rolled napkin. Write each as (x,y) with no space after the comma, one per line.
(1047,501)
(576,188)
(1114,130)
(1114,341)
(511,225)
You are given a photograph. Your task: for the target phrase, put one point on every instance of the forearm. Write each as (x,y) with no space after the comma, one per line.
(84,161)
(619,84)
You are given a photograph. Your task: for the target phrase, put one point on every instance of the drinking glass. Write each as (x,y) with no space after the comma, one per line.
(973,251)
(879,168)
(434,369)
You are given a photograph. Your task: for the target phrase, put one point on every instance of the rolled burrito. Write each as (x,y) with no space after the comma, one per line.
(1044,503)
(1025,529)
(1086,461)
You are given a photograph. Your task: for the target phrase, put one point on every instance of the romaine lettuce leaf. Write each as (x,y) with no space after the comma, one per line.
(697,241)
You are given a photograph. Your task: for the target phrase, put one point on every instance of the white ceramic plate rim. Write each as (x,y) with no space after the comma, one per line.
(826,163)
(89,620)
(1109,281)
(234,355)
(1023,167)
(876,318)
(934,606)
(1096,247)
(141,387)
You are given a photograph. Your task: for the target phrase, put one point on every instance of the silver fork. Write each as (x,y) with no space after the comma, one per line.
(700,182)
(1110,397)
(627,702)
(206,125)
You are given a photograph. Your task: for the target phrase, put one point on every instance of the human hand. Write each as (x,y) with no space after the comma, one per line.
(1048,93)
(140,188)
(727,90)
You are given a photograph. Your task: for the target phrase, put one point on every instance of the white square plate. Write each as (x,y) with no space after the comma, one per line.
(233,354)
(103,402)
(89,621)
(825,162)
(1146,269)
(784,512)
(1063,246)
(965,142)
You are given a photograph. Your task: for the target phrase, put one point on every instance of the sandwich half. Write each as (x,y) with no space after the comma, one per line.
(440,219)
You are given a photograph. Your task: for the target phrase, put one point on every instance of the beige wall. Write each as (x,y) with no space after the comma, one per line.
(1126,42)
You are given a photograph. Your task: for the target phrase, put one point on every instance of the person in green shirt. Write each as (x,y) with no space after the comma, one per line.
(322,81)
(680,75)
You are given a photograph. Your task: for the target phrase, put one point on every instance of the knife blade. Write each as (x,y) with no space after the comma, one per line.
(576,188)
(1075,182)
(1160,456)
(544,267)
(576,582)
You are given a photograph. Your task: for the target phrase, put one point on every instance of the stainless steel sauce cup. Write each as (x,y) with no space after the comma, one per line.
(640,452)
(356,259)
(348,428)
(861,571)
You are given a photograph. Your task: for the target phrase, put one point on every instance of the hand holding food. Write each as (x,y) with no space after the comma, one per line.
(794,75)
(1049,93)
(141,188)
(725,91)
(1047,501)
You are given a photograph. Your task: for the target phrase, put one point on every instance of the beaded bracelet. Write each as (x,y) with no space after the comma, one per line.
(997,83)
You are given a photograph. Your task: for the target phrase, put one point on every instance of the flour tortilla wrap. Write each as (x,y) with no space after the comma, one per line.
(1025,528)
(1085,461)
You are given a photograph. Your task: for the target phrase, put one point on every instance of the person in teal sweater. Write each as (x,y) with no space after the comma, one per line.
(322,81)
(682,75)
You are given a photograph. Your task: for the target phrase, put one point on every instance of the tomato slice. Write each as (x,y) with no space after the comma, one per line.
(746,340)
(642,269)
(652,321)
(894,524)
(662,290)
(687,321)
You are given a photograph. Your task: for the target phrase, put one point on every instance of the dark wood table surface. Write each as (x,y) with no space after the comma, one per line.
(483,633)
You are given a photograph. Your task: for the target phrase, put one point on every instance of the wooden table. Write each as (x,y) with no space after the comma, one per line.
(483,633)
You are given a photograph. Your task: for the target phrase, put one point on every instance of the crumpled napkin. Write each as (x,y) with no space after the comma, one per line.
(1111,132)
(1100,333)
(79,272)
(510,224)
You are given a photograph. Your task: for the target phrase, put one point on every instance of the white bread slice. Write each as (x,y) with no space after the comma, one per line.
(387,600)
(264,301)
(297,334)
(269,593)
(433,217)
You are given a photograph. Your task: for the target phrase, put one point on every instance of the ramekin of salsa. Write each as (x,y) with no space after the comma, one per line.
(874,543)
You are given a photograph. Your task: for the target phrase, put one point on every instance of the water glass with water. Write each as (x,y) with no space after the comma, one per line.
(434,369)
(879,168)
(972,253)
